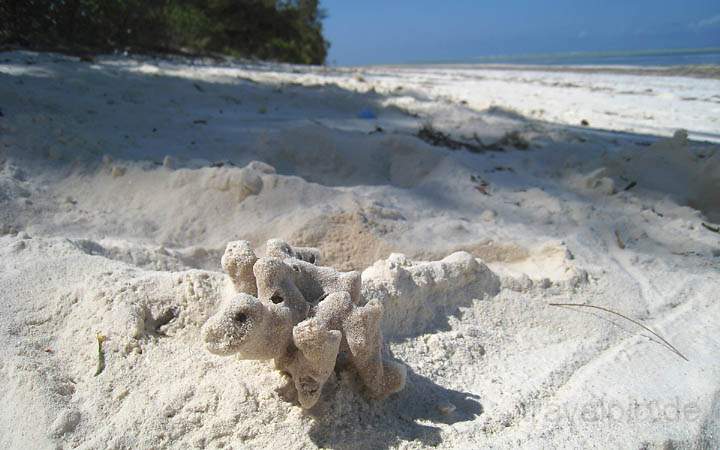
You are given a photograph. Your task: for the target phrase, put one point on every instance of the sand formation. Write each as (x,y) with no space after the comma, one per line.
(305,317)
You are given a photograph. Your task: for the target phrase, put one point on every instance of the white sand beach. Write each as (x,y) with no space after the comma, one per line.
(122,180)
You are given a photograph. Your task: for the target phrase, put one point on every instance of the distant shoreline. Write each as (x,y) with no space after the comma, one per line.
(693,62)
(654,57)
(710,71)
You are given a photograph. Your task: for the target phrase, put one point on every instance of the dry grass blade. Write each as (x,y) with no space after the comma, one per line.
(669,345)
(101,354)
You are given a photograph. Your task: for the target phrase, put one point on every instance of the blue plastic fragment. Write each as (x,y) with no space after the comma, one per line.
(367,113)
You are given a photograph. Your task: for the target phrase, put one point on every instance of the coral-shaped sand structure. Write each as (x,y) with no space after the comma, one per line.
(307,318)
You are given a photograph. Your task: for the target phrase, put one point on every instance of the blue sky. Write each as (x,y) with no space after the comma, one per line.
(396,31)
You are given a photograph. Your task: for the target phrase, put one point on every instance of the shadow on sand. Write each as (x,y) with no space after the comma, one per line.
(347,420)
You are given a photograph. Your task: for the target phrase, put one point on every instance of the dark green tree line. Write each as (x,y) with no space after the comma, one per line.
(283,30)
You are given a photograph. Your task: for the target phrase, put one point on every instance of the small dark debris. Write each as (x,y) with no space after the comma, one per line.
(222,163)
(711,228)
(630,186)
(154,130)
(482,186)
(1,113)
(463,102)
(87,58)
(502,169)
(584,123)
(377,129)
(643,144)
(439,139)
(658,213)
(200,121)
(47,350)
(198,87)
(513,139)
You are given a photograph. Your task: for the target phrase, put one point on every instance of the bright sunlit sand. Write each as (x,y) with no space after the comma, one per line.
(122,180)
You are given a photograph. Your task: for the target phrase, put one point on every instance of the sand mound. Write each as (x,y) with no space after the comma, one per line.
(520,268)
(151,257)
(487,250)
(157,380)
(689,172)
(545,265)
(346,240)
(342,158)
(420,296)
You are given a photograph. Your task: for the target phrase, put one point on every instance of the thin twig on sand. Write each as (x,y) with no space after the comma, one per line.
(711,228)
(581,305)
(619,240)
